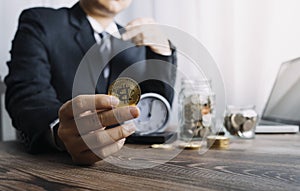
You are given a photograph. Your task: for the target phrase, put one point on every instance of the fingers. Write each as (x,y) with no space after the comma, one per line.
(91,156)
(145,32)
(101,138)
(84,103)
(99,144)
(119,115)
(88,116)
(131,32)
(98,120)
(142,40)
(145,36)
(140,21)
(109,149)
(136,27)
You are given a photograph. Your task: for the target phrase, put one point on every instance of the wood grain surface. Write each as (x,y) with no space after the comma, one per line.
(268,162)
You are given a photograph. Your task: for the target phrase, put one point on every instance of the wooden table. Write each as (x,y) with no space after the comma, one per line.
(269,162)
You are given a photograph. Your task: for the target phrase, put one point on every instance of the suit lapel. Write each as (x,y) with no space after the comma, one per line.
(85,38)
(85,35)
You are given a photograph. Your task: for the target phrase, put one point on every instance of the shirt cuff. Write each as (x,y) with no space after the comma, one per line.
(53,128)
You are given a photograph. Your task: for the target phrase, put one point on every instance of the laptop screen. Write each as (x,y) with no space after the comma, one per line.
(284,101)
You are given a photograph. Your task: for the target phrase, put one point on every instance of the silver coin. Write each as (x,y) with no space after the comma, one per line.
(248,125)
(196,115)
(204,132)
(207,120)
(237,120)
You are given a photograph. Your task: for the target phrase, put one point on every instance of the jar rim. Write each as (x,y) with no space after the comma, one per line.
(245,106)
(195,80)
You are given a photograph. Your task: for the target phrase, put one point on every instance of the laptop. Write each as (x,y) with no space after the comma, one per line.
(282,111)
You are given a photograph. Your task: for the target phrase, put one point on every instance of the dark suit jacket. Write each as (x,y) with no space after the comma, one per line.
(46,51)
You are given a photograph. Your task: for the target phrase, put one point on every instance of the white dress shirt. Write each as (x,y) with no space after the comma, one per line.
(112,29)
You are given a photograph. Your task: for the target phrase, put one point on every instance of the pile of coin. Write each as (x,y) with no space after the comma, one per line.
(217,142)
(197,116)
(239,123)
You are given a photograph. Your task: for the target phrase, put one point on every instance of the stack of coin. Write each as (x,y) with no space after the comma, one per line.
(197,114)
(217,142)
(239,123)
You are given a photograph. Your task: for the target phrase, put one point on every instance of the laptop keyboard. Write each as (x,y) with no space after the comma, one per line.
(265,122)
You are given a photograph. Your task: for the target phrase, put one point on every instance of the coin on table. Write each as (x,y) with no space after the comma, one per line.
(217,142)
(127,90)
(162,146)
(190,145)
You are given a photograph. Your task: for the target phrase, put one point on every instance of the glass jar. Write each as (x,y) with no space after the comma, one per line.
(240,121)
(196,109)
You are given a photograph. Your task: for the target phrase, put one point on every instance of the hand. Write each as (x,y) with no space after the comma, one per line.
(82,127)
(145,32)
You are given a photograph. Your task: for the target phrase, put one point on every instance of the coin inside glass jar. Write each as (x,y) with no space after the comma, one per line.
(127,90)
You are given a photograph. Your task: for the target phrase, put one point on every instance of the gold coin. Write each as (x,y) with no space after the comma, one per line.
(190,145)
(127,90)
(217,142)
(162,146)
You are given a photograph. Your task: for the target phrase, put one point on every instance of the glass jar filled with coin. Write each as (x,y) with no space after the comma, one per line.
(196,109)
(240,121)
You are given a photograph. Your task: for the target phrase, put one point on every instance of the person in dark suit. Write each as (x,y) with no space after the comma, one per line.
(46,52)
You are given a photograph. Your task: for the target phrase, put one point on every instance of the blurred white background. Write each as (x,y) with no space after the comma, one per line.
(248,39)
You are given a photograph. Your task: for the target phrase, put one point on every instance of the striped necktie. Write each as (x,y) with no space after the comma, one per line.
(105,52)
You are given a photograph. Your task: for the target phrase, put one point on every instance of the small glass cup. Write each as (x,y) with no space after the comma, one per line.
(240,121)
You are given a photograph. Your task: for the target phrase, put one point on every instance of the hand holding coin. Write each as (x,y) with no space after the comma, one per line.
(83,122)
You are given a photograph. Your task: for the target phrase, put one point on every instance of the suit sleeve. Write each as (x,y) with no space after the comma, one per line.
(30,98)
(166,67)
